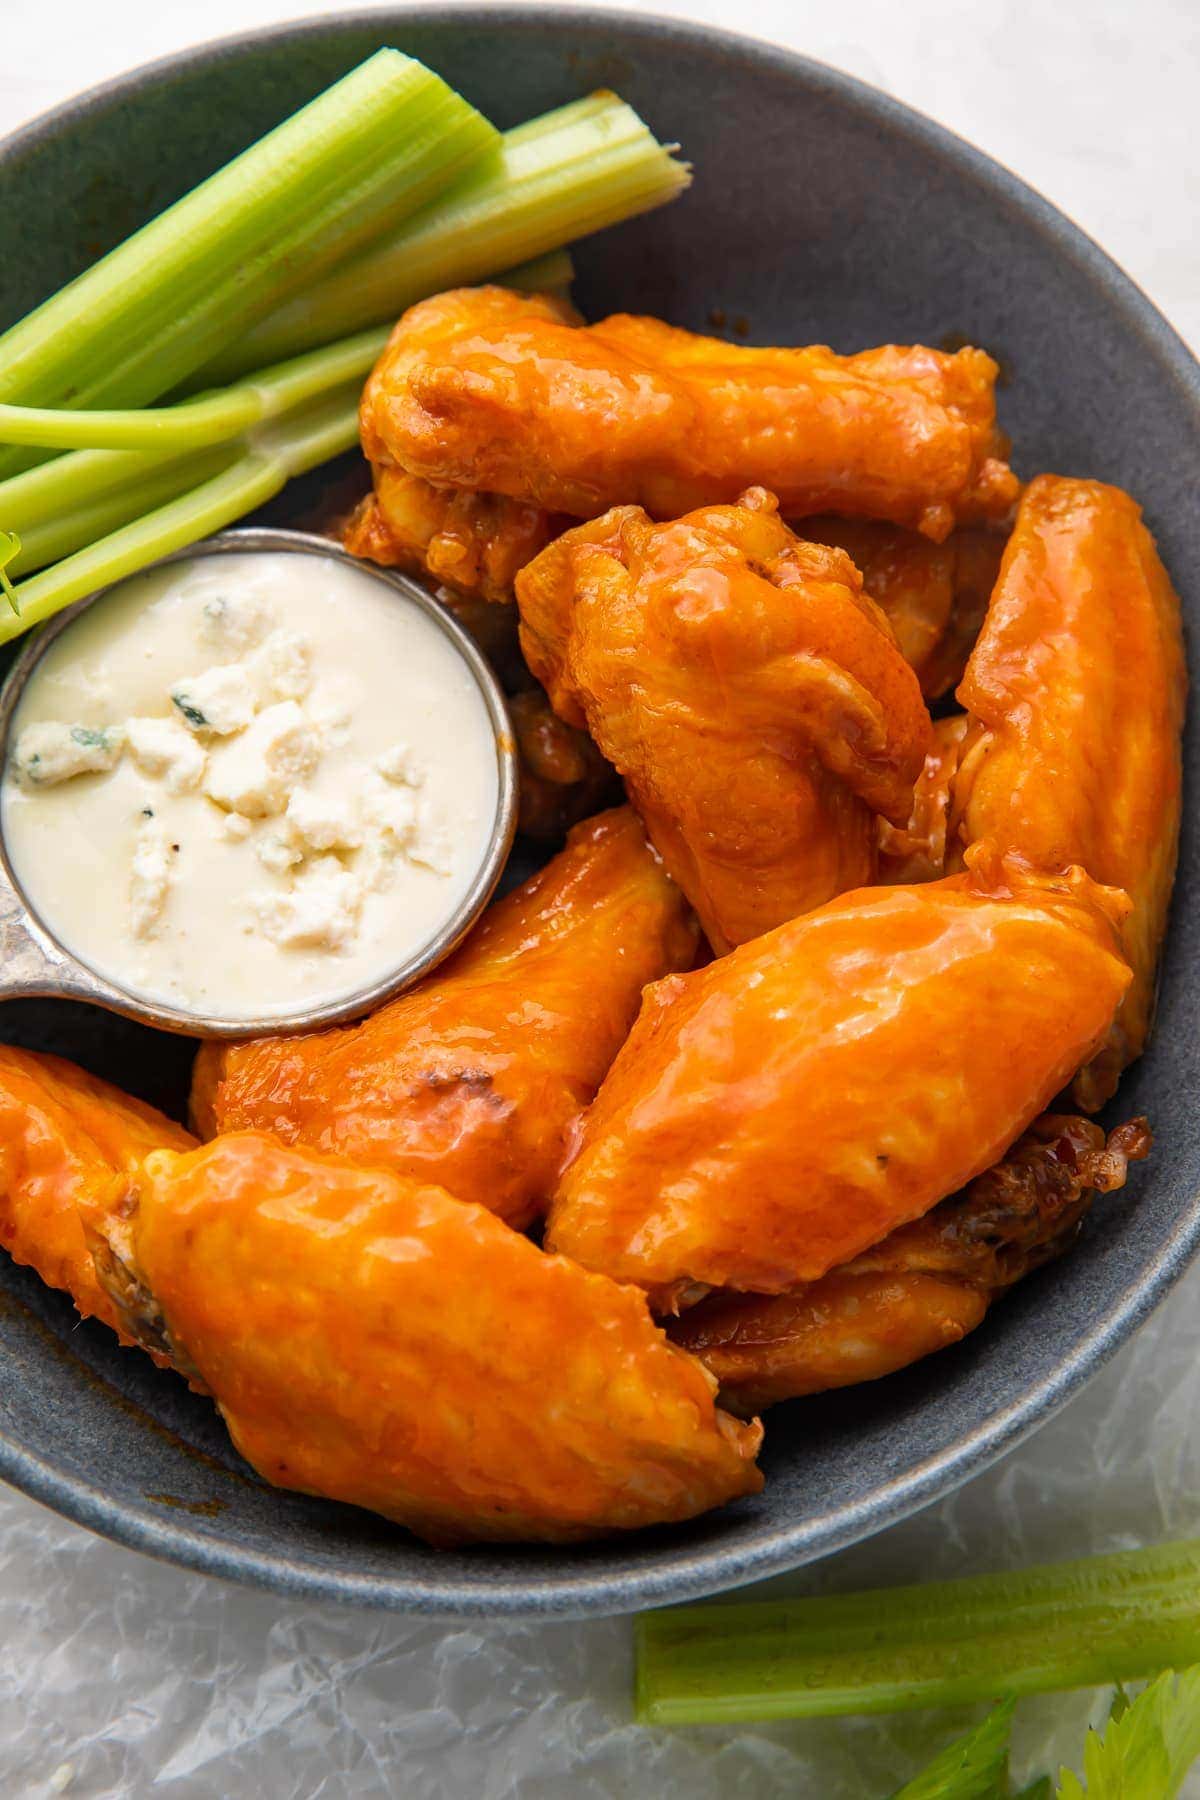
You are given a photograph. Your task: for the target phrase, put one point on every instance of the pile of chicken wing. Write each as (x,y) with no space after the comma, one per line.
(771,1080)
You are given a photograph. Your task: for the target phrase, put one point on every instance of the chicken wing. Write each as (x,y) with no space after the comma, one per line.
(751,696)
(935,595)
(475,1077)
(371,1339)
(563,777)
(775,1114)
(487,389)
(69,1147)
(925,1286)
(473,543)
(1077,690)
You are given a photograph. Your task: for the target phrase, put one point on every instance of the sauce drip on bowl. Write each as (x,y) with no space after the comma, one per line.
(249,784)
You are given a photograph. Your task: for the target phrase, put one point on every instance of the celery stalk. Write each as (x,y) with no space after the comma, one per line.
(195,423)
(570,172)
(42,496)
(71,528)
(1078,1624)
(362,156)
(271,457)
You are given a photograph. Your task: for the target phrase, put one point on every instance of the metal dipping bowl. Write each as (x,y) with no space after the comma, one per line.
(33,962)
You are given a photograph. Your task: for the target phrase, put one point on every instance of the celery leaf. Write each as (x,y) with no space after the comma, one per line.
(974,1767)
(1147,1749)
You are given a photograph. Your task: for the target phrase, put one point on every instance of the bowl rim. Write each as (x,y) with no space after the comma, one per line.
(778,1548)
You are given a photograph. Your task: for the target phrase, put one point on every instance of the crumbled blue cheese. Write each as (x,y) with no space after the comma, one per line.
(282,668)
(221,701)
(167,752)
(390,811)
(256,773)
(149,877)
(236,622)
(430,845)
(277,849)
(49,753)
(399,765)
(324,821)
(319,912)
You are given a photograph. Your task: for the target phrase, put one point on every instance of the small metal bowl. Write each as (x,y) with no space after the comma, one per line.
(33,962)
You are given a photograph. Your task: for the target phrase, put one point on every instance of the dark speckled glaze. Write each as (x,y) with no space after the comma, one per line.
(821,211)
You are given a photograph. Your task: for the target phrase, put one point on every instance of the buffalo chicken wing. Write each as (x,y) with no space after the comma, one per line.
(371,1339)
(750,694)
(777,1113)
(507,393)
(1076,691)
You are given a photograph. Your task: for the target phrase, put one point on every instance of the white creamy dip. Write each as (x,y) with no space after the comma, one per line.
(249,784)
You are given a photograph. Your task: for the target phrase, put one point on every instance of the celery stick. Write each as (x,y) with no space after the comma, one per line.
(71,528)
(271,458)
(1068,1625)
(570,172)
(358,159)
(197,423)
(41,496)
(212,419)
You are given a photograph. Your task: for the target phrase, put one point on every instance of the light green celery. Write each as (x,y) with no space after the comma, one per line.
(40,496)
(271,458)
(356,161)
(1080,1624)
(193,424)
(559,177)
(72,527)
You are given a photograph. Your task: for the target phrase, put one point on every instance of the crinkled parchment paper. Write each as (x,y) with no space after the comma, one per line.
(121,1677)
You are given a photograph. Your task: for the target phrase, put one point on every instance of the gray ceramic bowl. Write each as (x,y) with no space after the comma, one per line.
(821,211)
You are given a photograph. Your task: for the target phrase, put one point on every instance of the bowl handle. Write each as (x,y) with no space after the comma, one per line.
(32,965)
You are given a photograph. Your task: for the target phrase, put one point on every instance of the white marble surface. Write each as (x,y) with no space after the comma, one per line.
(123,1678)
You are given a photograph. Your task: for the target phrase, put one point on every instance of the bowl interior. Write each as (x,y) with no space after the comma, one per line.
(821,211)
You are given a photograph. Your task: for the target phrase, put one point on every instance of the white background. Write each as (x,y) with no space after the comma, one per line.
(122,1678)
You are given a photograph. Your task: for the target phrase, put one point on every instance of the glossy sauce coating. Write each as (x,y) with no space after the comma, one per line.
(780,1111)
(750,694)
(1077,685)
(374,1340)
(474,543)
(917,851)
(475,1078)
(925,1286)
(486,389)
(563,776)
(935,595)
(69,1147)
